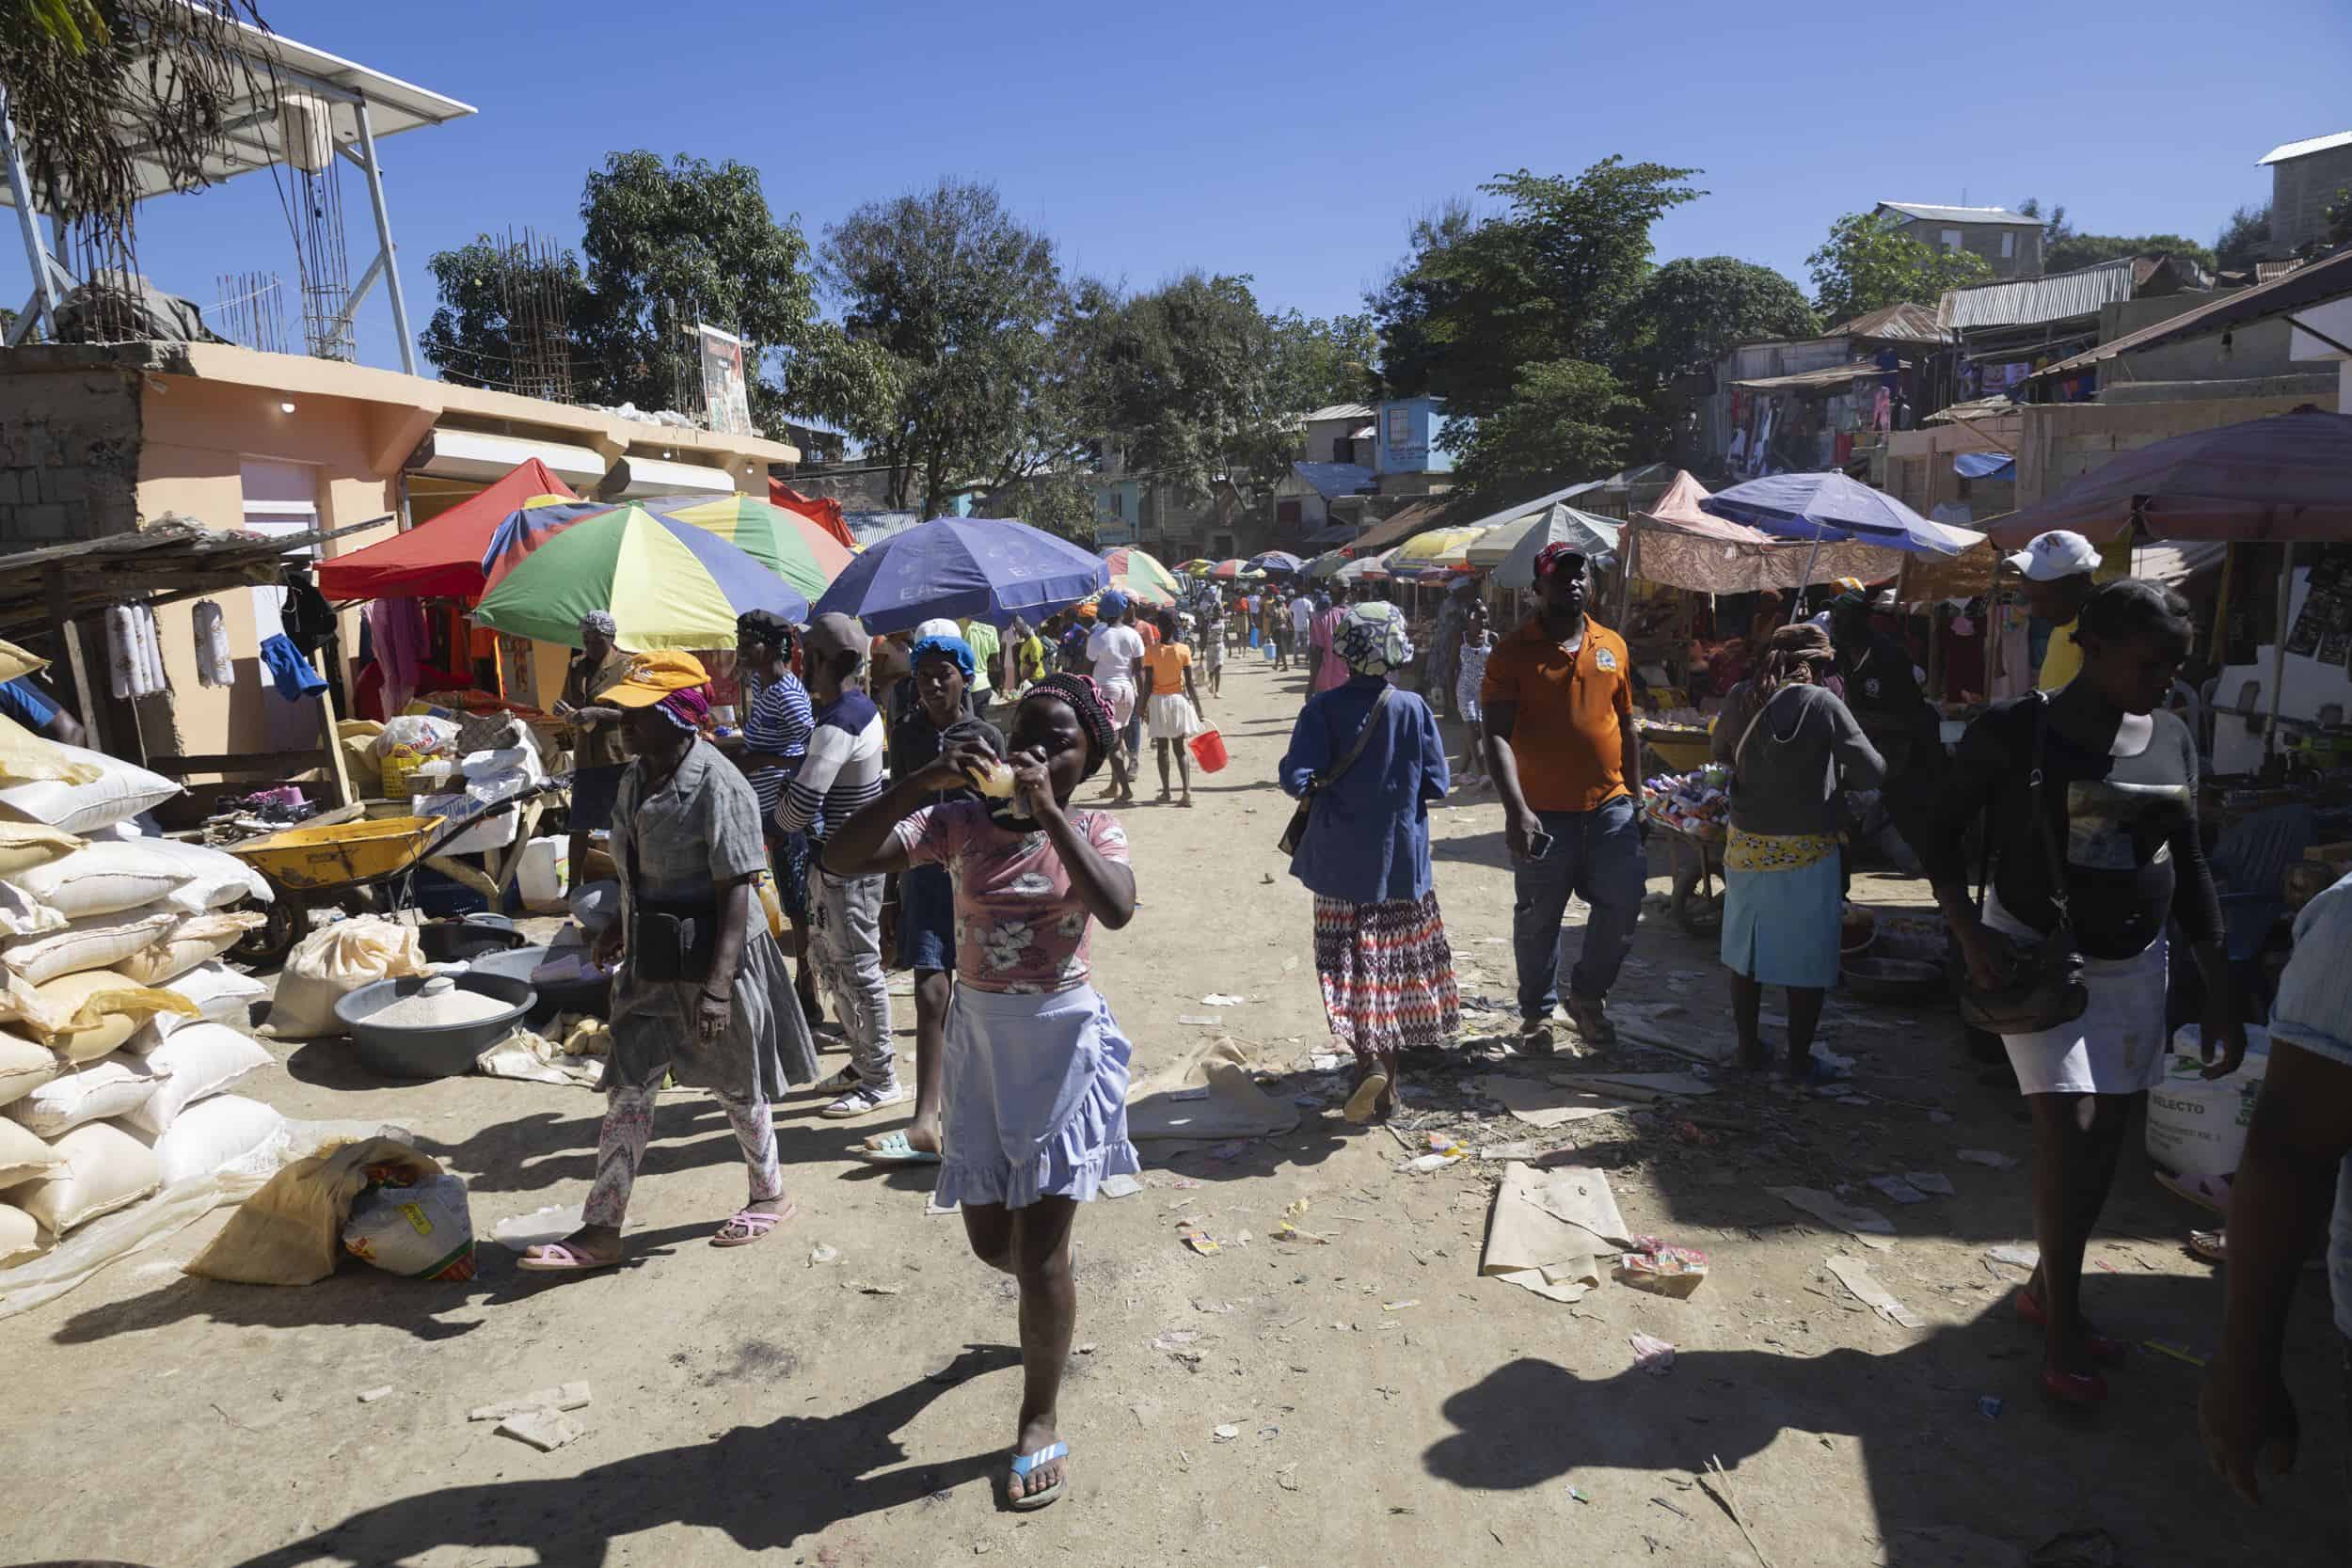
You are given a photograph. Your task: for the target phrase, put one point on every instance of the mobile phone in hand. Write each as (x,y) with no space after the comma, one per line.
(1538,846)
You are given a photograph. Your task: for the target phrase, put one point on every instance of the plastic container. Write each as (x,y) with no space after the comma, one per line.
(545,875)
(1208,750)
(431,1053)
(2197,1125)
(448,941)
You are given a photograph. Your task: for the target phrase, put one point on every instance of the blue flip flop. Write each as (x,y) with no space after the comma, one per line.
(892,1149)
(1024,1463)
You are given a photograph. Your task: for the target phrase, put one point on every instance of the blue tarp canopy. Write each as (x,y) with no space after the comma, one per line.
(1984,464)
(1835,510)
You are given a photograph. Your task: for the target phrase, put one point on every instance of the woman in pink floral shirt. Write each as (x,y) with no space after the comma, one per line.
(1036,1070)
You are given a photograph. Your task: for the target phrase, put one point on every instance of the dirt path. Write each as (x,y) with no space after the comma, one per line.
(1385,1404)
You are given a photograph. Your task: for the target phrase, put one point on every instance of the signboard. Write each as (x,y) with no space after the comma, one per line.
(726,397)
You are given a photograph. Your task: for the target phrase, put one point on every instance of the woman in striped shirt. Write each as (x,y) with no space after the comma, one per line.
(777,722)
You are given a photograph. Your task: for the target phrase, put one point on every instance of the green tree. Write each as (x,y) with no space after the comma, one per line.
(1191,380)
(1566,417)
(1693,311)
(1319,361)
(673,243)
(954,298)
(469,339)
(2244,240)
(2085,250)
(1865,265)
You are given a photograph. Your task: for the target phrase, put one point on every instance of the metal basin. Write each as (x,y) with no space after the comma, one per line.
(430,1052)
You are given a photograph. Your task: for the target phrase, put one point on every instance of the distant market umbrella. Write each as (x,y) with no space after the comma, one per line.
(967,568)
(1510,550)
(1274,562)
(1829,509)
(1200,567)
(667,584)
(800,549)
(1367,568)
(1228,571)
(1436,549)
(1140,576)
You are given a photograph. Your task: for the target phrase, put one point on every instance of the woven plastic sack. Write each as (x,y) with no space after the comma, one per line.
(26,845)
(122,790)
(104,878)
(93,941)
(419,1230)
(329,965)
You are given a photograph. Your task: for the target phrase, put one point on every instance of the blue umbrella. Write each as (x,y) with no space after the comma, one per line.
(1832,509)
(1274,560)
(968,568)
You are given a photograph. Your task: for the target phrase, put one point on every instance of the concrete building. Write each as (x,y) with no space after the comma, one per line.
(1340,433)
(2305,177)
(2011,243)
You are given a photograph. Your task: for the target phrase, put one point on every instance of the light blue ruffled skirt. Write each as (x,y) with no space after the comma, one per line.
(1036,1092)
(1780,927)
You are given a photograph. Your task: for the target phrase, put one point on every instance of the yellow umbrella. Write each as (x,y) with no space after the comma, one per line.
(1438,550)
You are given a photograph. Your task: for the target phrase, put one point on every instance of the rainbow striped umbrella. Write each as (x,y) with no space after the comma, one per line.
(802,551)
(1198,566)
(1141,576)
(1225,571)
(668,584)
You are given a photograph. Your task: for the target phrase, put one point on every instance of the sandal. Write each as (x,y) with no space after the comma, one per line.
(892,1148)
(1024,1463)
(564,1257)
(1360,1104)
(863,1100)
(839,1083)
(746,1225)
(2097,1346)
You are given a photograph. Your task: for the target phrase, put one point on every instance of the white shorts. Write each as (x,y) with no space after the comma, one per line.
(2118,1046)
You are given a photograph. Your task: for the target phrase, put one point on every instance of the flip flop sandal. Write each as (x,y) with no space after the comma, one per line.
(562,1258)
(1367,1095)
(839,1083)
(863,1100)
(746,1225)
(1024,1463)
(892,1148)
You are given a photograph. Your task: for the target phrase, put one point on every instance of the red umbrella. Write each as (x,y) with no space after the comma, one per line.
(2283,478)
(439,558)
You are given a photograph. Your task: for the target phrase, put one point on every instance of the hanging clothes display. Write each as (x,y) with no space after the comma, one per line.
(397,631)
(135,663)
(213,666)
(289,672)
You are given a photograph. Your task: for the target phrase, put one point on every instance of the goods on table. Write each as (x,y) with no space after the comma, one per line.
(439,1009)
(121,790)
(104,1168)
(330,964)
(23,1153)
(89,1091)
(199,1060)
(104,877)
(2197,1125)
(91,941)
(226,1131)
(1697,803)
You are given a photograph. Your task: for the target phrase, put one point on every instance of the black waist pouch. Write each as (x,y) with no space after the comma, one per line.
(673,942)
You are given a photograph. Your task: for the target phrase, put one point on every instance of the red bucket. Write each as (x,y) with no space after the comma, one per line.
(1208,750)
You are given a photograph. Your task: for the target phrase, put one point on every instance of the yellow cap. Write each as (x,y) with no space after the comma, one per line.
(653,677)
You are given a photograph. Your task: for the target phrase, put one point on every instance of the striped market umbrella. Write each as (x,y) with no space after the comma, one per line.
(1200,567)
(802,550)
(1225,571)
(668,584)
(1140,577)
(1274,562)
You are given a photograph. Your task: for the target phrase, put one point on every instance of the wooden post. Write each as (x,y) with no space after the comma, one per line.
(334,745)
(69,649)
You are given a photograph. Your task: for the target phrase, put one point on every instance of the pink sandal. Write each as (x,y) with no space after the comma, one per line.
(746,1225)
(562,1258)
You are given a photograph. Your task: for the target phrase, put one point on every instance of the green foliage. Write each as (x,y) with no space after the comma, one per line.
(75,26)
(2244,240)
(467,340)
(2084,250)
(669,245)
(1319,362)
(1061,503)
(1565,417)
(1189,378)
(947,298)
(1865,265)
(1691,311)
(2339,219)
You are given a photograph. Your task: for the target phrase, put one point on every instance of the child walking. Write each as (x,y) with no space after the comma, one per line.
(1469,672)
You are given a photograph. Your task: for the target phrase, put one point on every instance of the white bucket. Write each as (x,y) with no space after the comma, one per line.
(2196,1125)
(545,875)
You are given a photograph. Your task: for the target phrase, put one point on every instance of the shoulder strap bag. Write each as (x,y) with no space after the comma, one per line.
(1296,834)
(672,941)
(2044,987)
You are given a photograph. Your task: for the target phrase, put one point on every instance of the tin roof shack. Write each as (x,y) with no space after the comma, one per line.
(2010,242)
(2305,177)
(1841,364)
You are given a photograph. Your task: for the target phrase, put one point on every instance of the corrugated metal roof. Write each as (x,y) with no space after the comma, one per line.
(1408,521)
(2304,148)
(2329,277)
(1928,213)
(1910,323)
(1834,377)
(2057,297)
(1339,411)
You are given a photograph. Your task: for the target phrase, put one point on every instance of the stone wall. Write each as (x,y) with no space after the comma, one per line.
(68,444)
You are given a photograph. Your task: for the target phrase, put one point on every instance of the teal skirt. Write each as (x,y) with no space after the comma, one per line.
(1780,927)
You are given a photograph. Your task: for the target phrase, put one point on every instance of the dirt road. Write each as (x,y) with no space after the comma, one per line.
(1384,1403)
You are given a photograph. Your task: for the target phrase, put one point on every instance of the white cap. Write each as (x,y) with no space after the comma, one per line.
(2054,555)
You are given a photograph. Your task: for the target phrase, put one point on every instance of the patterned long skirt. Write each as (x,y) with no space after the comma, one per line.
(1388,974)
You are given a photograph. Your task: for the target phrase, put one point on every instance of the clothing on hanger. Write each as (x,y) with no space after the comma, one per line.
(289,672)
(213,665)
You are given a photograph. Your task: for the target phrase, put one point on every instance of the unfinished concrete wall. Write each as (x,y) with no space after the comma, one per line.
(69,447)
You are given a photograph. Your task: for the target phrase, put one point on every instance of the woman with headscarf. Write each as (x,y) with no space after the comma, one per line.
(1369,759)
(1036,1067)
(703,996)
(1331,671)
(1793,749)
(599,743)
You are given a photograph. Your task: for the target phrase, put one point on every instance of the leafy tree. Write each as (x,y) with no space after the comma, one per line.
(1190,378)
(2084,250)
(1865,265)
(467,340)
(2055,230)
(1693,311)
(953,297)
(2244,240)
(1319,362)
(1565,417)
(673,243)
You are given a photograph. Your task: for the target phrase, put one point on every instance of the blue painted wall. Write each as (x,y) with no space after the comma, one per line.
(1404,439)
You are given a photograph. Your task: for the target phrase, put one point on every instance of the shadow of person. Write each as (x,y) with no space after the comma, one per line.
(765,1486)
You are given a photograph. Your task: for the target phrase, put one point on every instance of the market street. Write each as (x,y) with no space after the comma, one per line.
(1359,1392)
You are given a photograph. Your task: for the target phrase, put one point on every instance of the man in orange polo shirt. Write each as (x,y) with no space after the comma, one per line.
(1567,758)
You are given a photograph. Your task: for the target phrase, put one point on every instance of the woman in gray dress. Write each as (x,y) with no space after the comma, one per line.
(715,1009)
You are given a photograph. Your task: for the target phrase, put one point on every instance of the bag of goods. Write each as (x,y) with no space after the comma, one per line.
(398,766)
(419,1228)
(22,1154)
(2197,1125)
(198,1061)
(101,1168)
(110,1086)
(494,827)
(83,1016)
(215,878)
(15,661)
(24,1065)
(92,941)
(357,737)
(29,758)
(218,994)
(192,940)
(104,878)
(424,733)
(22,915)
(26,845)
(121,789)
(331,963)
(20,1235)
(225,1133)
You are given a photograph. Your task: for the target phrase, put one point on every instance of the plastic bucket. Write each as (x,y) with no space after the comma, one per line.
(2197,1125)
(1208,750)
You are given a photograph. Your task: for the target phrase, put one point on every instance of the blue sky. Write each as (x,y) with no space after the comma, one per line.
(1296,143)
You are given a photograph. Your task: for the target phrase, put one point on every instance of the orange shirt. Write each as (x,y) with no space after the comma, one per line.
(1565,738)
(1166,664)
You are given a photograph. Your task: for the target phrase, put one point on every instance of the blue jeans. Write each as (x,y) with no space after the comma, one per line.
(1597,856)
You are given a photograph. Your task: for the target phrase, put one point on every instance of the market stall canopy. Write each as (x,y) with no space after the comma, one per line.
(800,549)
(824,510)
(1510,550)
(1366,568)
(1139,574)
(668,584)
(1834,508)
(1680,544)
(441,558)
(2287,477)
(1274,562)
(1440,549)
(969,568)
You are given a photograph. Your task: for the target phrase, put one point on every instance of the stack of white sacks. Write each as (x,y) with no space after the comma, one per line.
(119,1026)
